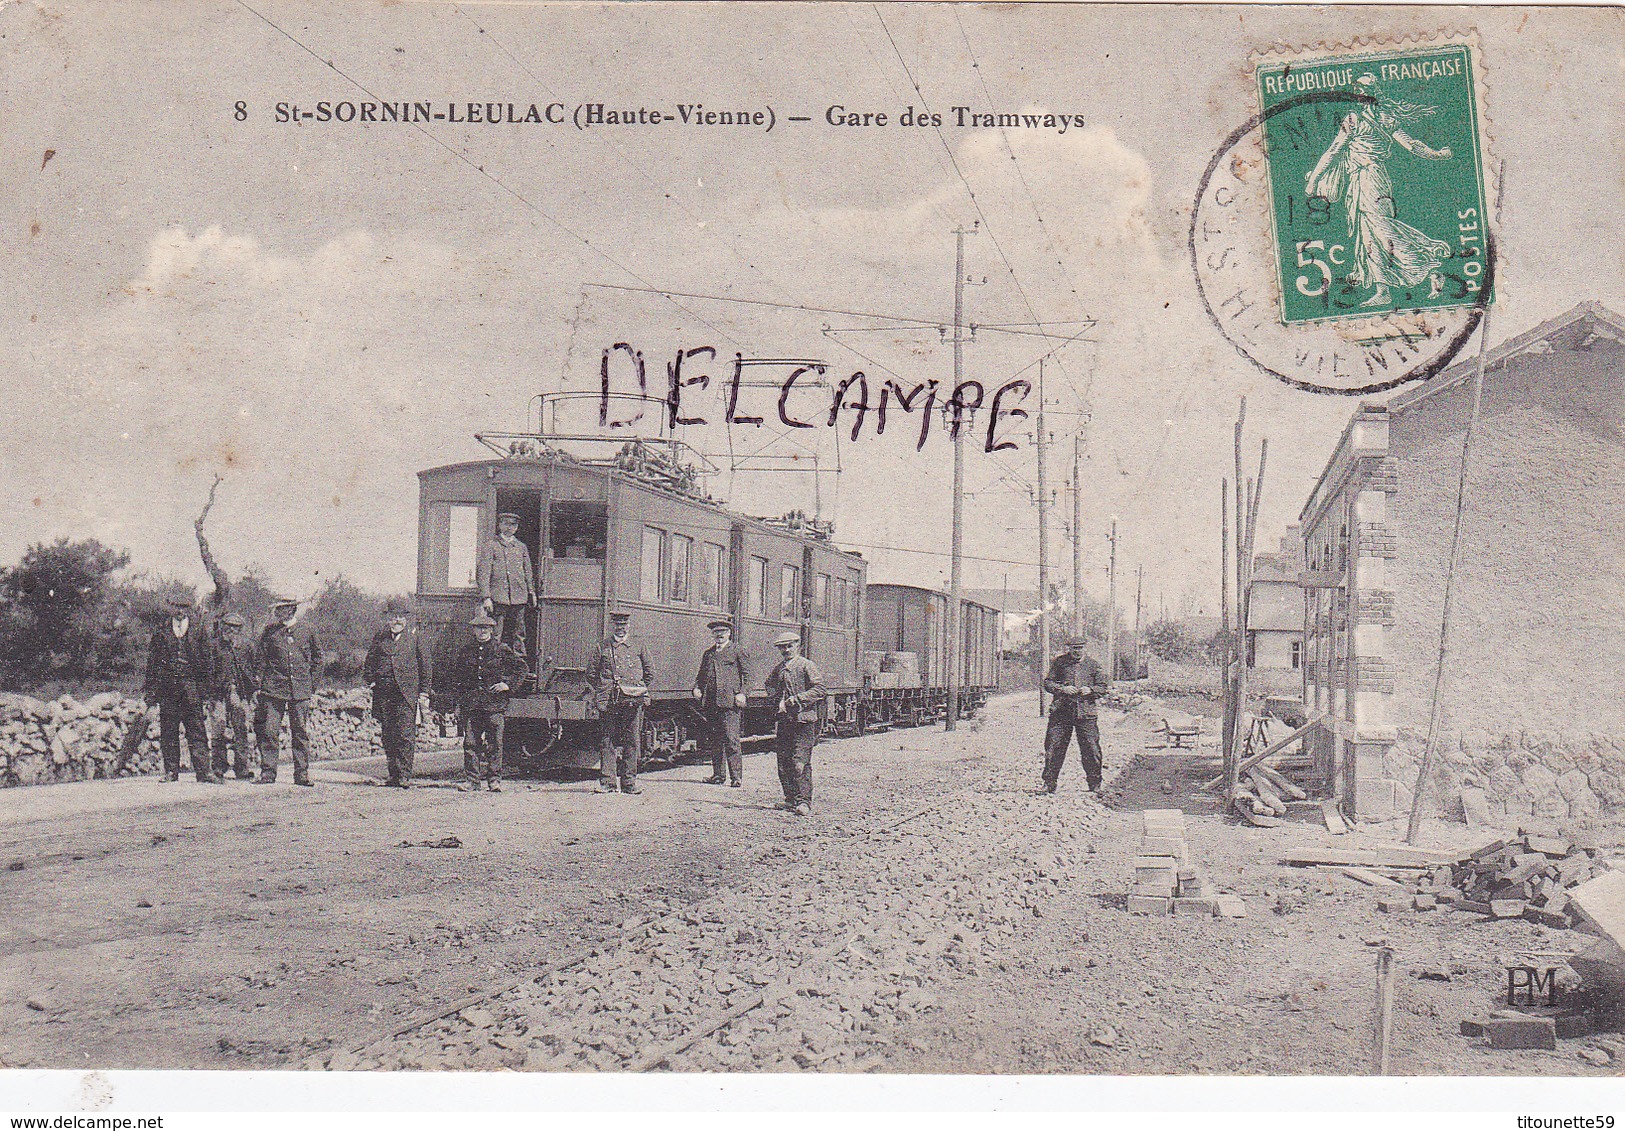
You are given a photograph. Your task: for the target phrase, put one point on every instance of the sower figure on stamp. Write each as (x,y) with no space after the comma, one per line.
(622,684)
(1076,682)
(798,689)
(234,688)
(486,673)
(720,689)
(507,582)
(180,670)
(399,673)
(287,663)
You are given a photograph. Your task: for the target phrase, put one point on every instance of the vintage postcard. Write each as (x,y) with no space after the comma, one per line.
(545,542)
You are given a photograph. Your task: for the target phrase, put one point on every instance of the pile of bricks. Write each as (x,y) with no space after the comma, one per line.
(1528,877)
(1165,880)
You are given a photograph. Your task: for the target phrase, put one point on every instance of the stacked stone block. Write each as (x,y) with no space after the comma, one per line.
(1165,880)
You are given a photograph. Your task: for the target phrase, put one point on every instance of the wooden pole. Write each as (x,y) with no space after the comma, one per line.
(955,577)
(1043,547)
(1077,536)
(1382,1026)
(1139,588)
(1224,634)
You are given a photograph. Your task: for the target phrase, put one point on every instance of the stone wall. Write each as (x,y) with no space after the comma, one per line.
(1576,779)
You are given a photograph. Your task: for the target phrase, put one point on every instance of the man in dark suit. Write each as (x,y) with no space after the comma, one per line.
(180,670)
(399,673)
(286,665)
(486,673)
(798,689)
(234,688)
(621,680)
(1077,683)
(720,688)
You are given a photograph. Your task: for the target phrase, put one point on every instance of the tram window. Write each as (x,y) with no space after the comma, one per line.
(681,545)
(577,530)
(840,601)
(710,581)
(462,551)
(653,543)
(821,596)
(852,608)
(790,593)
(758,587)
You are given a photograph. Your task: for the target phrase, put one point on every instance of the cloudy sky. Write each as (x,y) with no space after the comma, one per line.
(317,311)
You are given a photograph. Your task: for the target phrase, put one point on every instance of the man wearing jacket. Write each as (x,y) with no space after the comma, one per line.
(287,662)
(621,681)
(234,689)
(1077,683)
(399,672)
(180,669)
(507,582)
(486,673)
(798,689)
(720,689)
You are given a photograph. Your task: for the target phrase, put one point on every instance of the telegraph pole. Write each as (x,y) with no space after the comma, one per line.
(1139,588)
(1111,609)
(955,662)
(1043,546)
(1077,535)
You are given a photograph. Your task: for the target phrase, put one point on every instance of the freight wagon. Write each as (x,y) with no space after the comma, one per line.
(905,661)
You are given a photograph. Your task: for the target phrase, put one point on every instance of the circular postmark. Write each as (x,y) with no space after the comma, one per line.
(1244,257)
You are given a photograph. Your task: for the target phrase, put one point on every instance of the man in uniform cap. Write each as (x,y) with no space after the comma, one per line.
(622,682)
(287,663)
(798,689)
(180,669)
(399,672)
(234,689)
(720,688)
(507,582)
(486,673)
(1076,682)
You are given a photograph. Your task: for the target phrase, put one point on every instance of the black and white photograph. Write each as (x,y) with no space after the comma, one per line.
(804,547)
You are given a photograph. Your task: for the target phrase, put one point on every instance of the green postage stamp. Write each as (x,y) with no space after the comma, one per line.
(1376,181)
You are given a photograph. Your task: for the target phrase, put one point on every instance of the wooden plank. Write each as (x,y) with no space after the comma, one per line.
(1277,747)
(1334,819)
(1372,879)
(1367,857)
(1282,786)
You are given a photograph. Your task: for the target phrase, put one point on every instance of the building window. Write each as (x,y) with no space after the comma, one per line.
(654,541)
(758,587)
(1297,654)
(681,545)
(711,575)
(821,596)
(790,593)
(463,550)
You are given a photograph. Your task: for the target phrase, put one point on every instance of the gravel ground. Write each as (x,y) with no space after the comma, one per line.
(934,915)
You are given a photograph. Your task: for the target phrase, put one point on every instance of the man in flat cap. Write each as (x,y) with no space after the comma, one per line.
(487,671)
(234,691)
(622,683)
(720,688)
(180,669)
(507,582)
(1077,683)
(287,664)
(798,689)
(399,672)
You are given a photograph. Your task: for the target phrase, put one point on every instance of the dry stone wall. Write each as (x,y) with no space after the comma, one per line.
(1576,779)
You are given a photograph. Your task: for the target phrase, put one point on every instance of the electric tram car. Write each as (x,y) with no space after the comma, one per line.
(633,533)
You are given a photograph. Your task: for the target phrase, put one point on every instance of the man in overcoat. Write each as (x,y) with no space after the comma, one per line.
(1077,683)
(797,688)
(621,681)
(180,670)
(234,689)
(507,582)
(287,664)
(486,673)
(399,672)
(720,689)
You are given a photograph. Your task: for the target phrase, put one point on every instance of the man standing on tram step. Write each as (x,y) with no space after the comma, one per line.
(720,688)
(622,682)
(1077,683)
(180,670)
(234,658)
(399,673)
(798,689)
(287,665)
(486,673)
(507,582)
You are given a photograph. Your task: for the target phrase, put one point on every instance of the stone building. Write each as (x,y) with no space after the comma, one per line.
(1275,607)
(1532,706)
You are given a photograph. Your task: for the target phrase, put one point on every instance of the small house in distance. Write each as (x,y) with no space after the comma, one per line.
(1275,607)
(1533,714)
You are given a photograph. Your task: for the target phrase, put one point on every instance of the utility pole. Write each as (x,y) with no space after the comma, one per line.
(1111,609)
(955,662)
(1043,546)
(1139,587)
(1077,535)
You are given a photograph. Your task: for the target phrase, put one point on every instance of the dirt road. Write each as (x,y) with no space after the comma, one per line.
(934,915)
